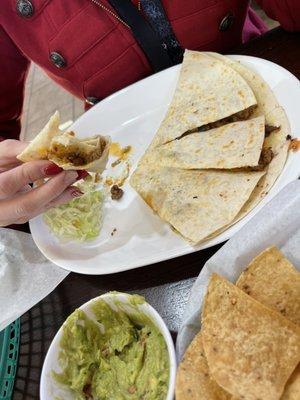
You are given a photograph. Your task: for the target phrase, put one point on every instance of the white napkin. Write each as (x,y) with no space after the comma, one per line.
(26,276)
(278,223)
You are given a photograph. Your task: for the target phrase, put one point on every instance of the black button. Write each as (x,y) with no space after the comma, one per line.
(92,100)
(25,8)
(58,60)
(226,22)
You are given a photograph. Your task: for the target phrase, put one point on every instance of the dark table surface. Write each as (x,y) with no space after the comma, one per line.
(165,285)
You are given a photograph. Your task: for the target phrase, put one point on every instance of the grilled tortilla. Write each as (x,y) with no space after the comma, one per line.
(234,145)
(207,91)
(194,202)
(275,116)
(67,151)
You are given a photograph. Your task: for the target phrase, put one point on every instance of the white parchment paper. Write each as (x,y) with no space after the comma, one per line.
(26,276)
(278,223)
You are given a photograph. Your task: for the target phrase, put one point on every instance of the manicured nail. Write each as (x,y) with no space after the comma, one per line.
(82,174)
(52,169)
(70,177)
(76,193)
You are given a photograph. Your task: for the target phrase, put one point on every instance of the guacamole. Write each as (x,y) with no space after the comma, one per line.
(121,357)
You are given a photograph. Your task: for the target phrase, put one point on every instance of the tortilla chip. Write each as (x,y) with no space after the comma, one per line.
(207,91)
(272,280)
(251,349)
(193,381)
(196,203)
(233,145)
(292,388)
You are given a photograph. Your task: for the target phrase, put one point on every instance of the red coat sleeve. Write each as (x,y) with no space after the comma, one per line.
(13,71)
(286,12)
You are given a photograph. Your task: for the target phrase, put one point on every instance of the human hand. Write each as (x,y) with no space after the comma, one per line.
(19,202)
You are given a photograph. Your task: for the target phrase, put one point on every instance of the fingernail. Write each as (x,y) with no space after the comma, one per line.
(70,177)
(76,193)
(52,169)
(82,174)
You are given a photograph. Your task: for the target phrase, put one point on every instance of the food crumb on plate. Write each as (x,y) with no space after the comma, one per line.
(116,192)
(115,163)
(120,175)
(118,151)
(295,145)
(113,232)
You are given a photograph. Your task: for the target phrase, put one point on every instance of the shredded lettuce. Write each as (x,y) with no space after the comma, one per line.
(81,218)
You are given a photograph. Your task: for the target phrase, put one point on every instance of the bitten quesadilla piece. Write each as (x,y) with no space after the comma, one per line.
(195,202)
(234,145)
(38,148)
(193,381)
(251,349)
(67,151)
(272,280)
(207,91)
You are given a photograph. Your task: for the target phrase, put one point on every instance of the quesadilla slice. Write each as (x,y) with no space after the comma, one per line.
(207,91)
(251,349)
(195,203)
(266,100)
(234,145)
(67,151)
(277,124)
(193,380)
(278,141)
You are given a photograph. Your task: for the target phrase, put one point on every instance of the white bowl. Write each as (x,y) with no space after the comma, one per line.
(49,388)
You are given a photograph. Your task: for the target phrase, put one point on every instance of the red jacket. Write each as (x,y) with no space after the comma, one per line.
(97,54)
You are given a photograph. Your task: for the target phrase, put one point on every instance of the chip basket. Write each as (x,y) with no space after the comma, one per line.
(9,351)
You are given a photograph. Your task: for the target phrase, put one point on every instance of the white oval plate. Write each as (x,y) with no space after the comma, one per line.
(131,117)
(49,388)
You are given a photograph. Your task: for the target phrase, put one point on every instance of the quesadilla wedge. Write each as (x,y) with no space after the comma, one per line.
(207,91)
(266,100)
(194,202)
(275,117)
(67,151)
(251,349)
(234,145)
(278,142)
